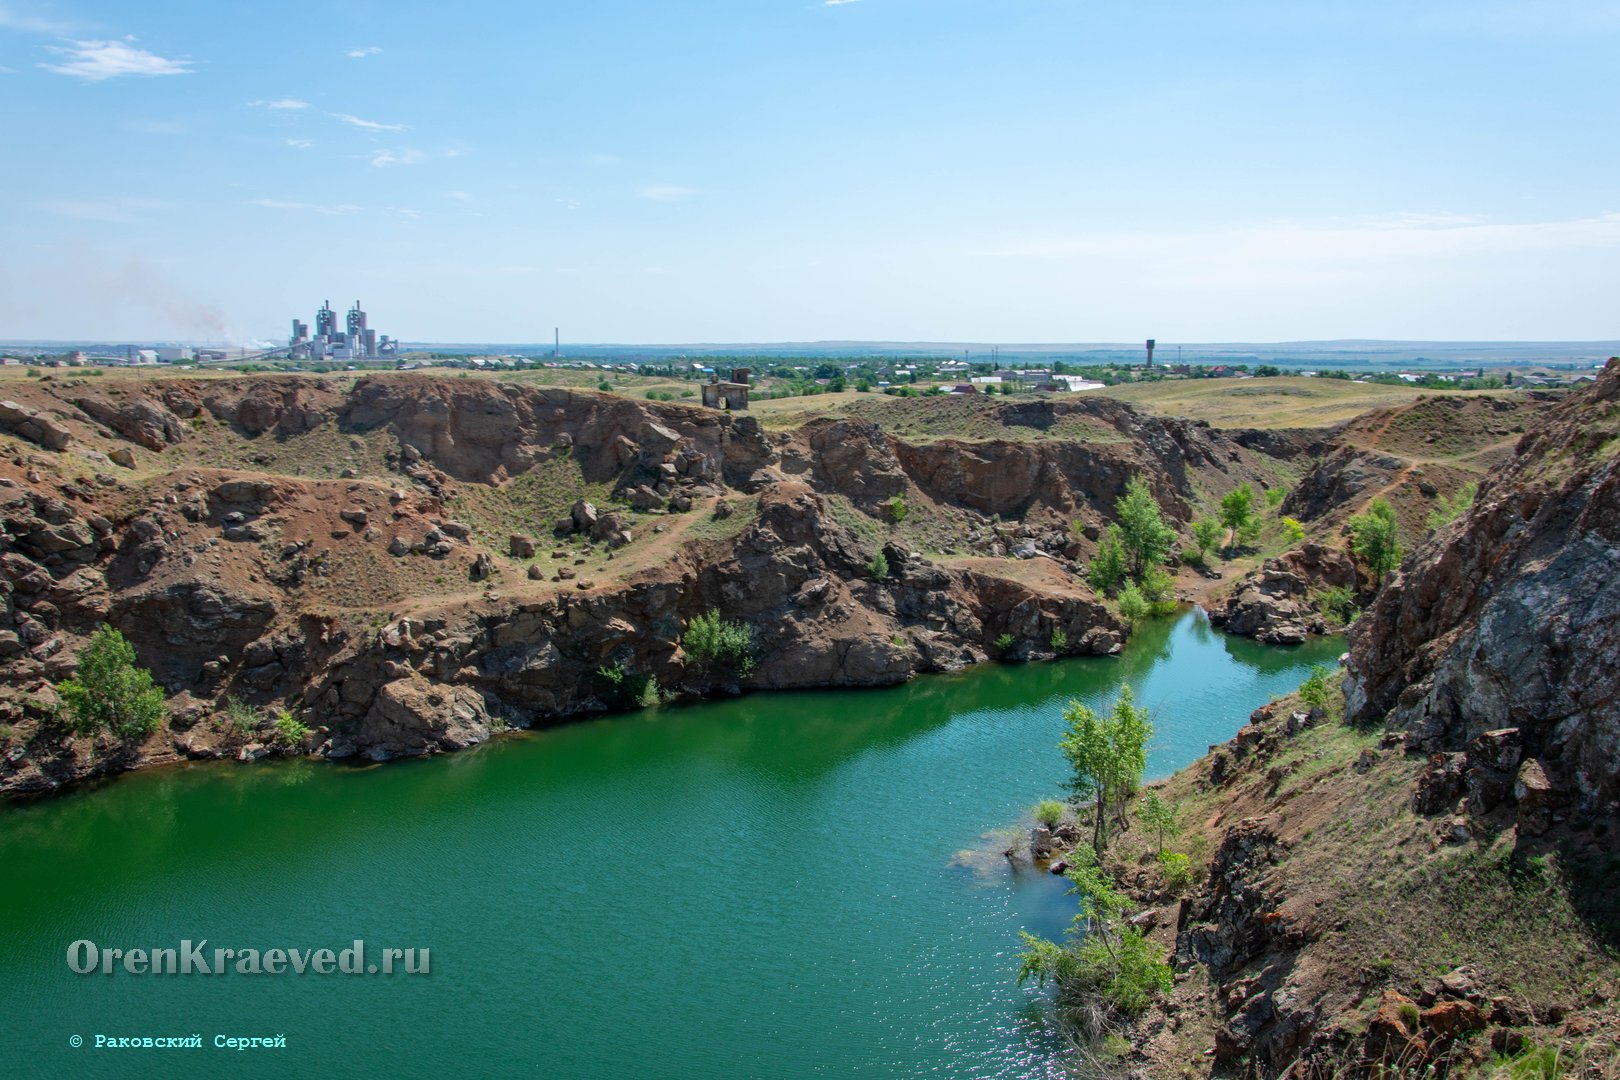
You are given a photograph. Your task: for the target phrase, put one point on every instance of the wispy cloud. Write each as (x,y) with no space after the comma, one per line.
(95,61)
(369,125)
(300,144)
(281,103)
(383,159)
(665,192)
(836,3)
(459,196)
(312,208)
(363,51)
(32,24)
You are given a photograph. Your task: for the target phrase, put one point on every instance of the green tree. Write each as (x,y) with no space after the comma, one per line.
(1159,816)
(1107,755)
(1293,531)
(1375,538)
(879,566)
(1275,496)
(110,693)
(1108,569)
(898,510)
(1146,537)
(1206,534)
(1237,512)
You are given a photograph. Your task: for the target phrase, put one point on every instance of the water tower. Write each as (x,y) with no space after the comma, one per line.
(1151,342)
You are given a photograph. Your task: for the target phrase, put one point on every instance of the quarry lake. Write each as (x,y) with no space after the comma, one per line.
(773,885)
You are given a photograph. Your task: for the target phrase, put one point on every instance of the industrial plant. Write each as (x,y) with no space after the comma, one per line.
(356,341)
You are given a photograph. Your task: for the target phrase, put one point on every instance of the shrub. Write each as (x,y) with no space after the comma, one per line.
(1132,604)
(879,566)
(1005,644)
(1293,531)
(898,509)
(1158,589)
(1106,961)
(290,731)
(1060,640)
(110,693)
(604,385)
(710,642)
(1314,690)
(1177,870)
(1049,812)
(240,717)
(1275,496)
(1448,510)
(1339,604)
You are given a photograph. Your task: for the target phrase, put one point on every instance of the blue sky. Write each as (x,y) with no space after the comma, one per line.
(983,170)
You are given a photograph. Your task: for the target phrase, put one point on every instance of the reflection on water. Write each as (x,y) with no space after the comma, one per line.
(774,883)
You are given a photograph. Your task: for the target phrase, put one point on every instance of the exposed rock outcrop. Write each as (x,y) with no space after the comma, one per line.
(1510,616)
(1280,603)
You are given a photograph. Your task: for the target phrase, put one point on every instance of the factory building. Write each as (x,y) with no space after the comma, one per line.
(356,341)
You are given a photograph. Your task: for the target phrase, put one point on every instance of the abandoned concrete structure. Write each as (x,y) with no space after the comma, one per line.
(731,394)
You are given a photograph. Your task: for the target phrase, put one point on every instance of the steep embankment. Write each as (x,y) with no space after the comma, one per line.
(1428,880)
(408,563)
(1411,456)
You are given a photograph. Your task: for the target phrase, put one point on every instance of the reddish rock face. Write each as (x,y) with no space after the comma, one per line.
(1510,617)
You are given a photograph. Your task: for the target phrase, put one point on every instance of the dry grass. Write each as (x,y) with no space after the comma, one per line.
(1282,402)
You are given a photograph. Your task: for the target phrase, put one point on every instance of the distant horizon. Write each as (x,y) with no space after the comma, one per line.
(826,343)
(900,169)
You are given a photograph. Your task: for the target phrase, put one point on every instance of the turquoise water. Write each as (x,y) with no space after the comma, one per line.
(763,886)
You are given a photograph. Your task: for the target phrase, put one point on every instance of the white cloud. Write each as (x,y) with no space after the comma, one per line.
(665,192)
(369,125)
(282,103)
(459,196)
(94,61)
(313,208)
(382,159)
(836,3)
(363,51)
(300,144)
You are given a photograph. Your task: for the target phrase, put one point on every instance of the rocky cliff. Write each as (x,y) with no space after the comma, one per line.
(407,564)
(1426,882)
(1509,618)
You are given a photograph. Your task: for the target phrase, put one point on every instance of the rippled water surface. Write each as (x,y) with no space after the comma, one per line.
(765,886)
